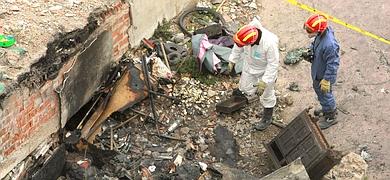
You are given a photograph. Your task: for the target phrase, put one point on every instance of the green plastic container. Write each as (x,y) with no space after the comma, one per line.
(7,40)
(2,88)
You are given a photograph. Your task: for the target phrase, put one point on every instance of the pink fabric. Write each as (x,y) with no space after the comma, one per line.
(204,46)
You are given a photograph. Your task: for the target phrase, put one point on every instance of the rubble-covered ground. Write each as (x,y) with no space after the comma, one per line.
(205,138)
(202,138)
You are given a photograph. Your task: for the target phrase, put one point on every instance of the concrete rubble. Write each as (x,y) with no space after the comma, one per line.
(294,170)
(351,166)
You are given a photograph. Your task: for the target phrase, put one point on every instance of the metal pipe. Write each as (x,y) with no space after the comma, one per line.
(147,79)
(163,95)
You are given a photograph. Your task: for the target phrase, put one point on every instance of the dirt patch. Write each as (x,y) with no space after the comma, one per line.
(363,76)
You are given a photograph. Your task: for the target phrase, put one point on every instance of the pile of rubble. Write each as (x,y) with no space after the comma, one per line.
(186,138)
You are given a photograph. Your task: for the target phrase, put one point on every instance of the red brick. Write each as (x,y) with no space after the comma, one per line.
(27,126)
(5,144)
(29,107)
(120,27)
(124,42)
(116,49)
(17,136)
(20,120)
(5,137)
(20,108)
(2,132)
(50,114)
(118,5)
(118,38)
(9,150)
(125,17)
(44,105)
(32,114)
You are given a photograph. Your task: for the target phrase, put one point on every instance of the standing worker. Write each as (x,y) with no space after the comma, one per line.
(325,62)
(258,49)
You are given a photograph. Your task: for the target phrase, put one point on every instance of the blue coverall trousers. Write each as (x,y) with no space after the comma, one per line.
(327,100)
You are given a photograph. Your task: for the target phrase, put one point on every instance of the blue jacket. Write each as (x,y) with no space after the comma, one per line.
(326,56)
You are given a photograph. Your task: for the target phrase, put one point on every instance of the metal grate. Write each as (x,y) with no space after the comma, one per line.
(302,138)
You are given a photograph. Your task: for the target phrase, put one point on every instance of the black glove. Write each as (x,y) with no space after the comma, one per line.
(308,55)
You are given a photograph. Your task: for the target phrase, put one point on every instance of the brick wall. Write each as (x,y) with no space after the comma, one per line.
(118,20)
(23,113)
(29,116)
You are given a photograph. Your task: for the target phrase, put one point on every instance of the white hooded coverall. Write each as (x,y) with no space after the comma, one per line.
(260,63)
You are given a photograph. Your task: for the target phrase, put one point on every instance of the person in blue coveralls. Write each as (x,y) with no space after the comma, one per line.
(325,63)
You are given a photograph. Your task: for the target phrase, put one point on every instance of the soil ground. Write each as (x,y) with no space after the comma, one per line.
(364,64)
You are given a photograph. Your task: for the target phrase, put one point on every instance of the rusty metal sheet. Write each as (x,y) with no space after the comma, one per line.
(129,90)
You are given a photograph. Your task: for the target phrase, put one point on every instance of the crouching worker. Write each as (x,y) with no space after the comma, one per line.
(258,49)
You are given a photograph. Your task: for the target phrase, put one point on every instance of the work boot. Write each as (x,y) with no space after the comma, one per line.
(328,120)
(318,112)
(266,120)
(237,92)
(249,98)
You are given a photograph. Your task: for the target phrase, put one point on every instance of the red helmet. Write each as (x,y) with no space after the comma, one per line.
(316,23)
(247,35)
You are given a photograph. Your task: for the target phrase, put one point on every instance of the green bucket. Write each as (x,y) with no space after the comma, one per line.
(7,40)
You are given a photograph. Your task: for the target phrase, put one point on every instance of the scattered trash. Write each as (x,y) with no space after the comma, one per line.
(145,173)
(294,56)
(203,166)
(383,90)
(178,38)
(7,40)
(152,168)
(294,87)
(225,41)
(216,1)
(84,163)
(159,69)
(179,160)
(213,57)
(232,104)
(174,125)
(355,88)
(2,88)
(253,4)
(365,155)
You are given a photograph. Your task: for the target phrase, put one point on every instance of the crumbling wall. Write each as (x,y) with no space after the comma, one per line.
(30,113)
(41,100)
(147,15)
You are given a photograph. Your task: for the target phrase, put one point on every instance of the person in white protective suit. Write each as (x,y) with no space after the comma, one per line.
(258,48)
